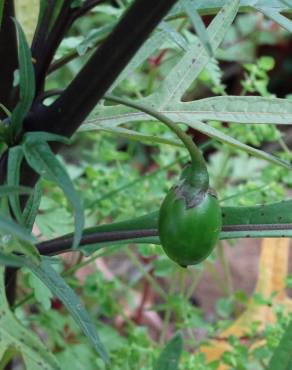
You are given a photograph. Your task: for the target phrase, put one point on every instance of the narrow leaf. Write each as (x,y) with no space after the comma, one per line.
(277,17)
(18,337)
(194,61)
(218,135)
(11,260)
(117,115)
(132,135)
(60,289)
(40,157)
(6,190)
(32,206)
(26,81)
(172,33)
(237,109)
(24,248)
(36,136)
(15,156)
(11,228)
(198,25)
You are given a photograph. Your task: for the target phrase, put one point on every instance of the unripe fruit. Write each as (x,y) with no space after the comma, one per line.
(189,224)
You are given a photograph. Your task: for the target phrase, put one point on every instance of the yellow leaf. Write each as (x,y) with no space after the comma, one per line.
(273,269)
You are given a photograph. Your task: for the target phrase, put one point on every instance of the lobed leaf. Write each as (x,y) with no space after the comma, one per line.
(198,24)
(194,61)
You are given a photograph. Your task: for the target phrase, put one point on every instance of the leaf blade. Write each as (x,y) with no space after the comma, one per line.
(26,81)
(43,161)
(59,288)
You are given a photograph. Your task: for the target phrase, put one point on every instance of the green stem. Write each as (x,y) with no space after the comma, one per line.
(168,311)
(195,153)
(146,274)
(196,275)
(226,270)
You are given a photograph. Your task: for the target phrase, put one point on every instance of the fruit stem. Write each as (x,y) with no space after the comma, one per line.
(198,161)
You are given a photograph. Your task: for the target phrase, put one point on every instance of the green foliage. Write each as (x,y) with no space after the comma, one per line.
(40,157)
(26,82)
(17,339)
(58,287)
(122,172)
(170,355)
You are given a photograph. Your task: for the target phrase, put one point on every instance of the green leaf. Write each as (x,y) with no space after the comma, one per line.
(198,25)
(194,61)
(14,336)
(170,355)
(40,157)
(93,37)
(213,6)
(283,21)
(174,35)
(132,135)
(60,289)
(26,81)
(11,228)
(282,357)
(36,136)
(32,206)
(11,260)
(116,115)
(15,156)
(6,190)
(236,109)
(216,134)
(41,292)
(25,248)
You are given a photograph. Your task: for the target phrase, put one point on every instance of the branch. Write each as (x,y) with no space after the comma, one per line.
(64,244)
(86,7)
(67,113)
(8,56)
(42,30)
(45,52)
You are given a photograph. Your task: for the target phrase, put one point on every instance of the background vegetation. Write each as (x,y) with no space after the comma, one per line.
(220,69)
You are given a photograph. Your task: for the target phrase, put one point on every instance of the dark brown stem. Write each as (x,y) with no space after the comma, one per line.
(40,35)
(64,60)
(46,51)
(8,57)
(66,114)
(8,64)
(61,245)
(86,7)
